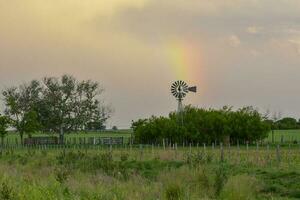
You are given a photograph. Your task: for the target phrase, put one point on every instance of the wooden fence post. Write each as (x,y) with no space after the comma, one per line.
(222,152)
(278,154)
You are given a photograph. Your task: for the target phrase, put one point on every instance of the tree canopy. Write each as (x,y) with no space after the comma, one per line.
(56,105)
(4,124)
(203,126)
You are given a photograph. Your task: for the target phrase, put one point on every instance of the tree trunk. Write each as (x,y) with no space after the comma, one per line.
(61,135)
(21,136)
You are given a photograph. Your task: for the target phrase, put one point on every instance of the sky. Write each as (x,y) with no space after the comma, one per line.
(237,52)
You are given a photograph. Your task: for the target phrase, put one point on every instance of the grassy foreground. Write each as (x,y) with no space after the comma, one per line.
(150,173)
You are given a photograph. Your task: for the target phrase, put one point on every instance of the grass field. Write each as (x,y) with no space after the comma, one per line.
(150,173)
(13,138)
(285,136)
(280,136)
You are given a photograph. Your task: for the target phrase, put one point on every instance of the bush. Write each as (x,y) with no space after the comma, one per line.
(61,174)
(220,179)
(6,191)
(124,157)
(203,126)
(174,191)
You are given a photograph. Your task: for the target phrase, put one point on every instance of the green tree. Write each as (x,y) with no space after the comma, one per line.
(114,128)
(4,124)
(21,100)
(69,105)
(287,123)
(60,105)
(203,126)
(30,123)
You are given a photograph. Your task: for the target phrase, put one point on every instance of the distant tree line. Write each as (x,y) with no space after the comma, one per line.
(287,123)
(203,126)
(56,105)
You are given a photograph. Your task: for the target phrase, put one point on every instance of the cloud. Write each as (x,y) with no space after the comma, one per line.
(253,29)
(234,41)
(296,45)
(254,52)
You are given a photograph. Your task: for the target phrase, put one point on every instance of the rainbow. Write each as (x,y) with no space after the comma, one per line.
(185,60)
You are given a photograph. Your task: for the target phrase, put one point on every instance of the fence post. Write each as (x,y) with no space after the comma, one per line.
(278,154)
(247,146)
(152,148)
(141,151)
(222,152)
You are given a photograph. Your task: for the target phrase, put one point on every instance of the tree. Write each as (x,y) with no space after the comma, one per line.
(203,126)
(287,123)
(30,123)
(70,105)
(4,124)
(21,100)
(114,128)
(56,105)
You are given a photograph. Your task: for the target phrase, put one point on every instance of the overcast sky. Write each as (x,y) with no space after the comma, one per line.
(238,52)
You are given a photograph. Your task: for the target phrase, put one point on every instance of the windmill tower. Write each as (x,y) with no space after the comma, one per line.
(179,90)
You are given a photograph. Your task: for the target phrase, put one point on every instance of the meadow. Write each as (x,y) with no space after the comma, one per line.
(285,136)
(280,136)
(150,172)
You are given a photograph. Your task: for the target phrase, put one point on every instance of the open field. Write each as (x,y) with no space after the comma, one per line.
(285,136)
(151,173)
(280,136)
(14,138)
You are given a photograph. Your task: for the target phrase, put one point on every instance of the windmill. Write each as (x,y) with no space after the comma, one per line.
(179,90)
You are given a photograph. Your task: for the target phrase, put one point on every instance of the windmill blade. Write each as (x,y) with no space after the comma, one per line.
(192,89)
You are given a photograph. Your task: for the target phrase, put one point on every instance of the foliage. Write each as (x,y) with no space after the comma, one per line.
(203,126)
(174,192)
(4,124)
(81,175)
(114,128)
(287,123)
(30,123)
(6,191)
(56,105)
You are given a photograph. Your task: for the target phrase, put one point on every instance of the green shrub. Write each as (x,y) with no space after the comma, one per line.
(61,174)
(174,191)
(220,179)
(6,191)
(124,157)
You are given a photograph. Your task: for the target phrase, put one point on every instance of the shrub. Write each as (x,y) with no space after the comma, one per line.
(6,191)
(124,157)
(61,174)
(220,179)
(174,191)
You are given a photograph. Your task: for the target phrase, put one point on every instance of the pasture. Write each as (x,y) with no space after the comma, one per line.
(285,136)
(280,136)
(150,172)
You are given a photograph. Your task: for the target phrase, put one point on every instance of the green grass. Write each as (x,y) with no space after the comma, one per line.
(150,174)
(286,135)
(13,137)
